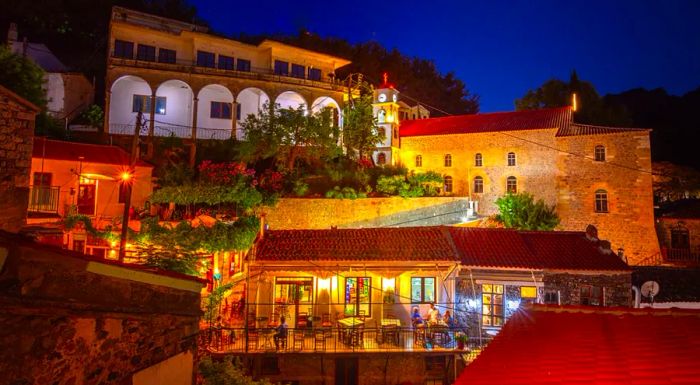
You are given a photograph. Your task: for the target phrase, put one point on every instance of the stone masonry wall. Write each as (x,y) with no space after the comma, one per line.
(692,225)
(618,287)
(16,136)
(302,213)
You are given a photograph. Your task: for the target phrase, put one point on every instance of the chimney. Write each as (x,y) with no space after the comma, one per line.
(12,34)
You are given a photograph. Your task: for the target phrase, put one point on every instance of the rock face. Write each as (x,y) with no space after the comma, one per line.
(70,320)
(16,135)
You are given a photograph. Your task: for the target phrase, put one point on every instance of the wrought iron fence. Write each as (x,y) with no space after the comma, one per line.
(689,255)
(44,199)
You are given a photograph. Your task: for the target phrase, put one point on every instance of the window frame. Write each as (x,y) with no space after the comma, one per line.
(511,159)
(243,65)
(216,106)
(166,55)
(419,160)
(314,74)
(448,160)
(358,303)
(423,300)
(297,71)
(514,189)
(278,70)
(145,52)
(146,101)
(599,153)
(120,49)
(591,299)
(478,160)
(493,305)
(601,201)
(210,57)
(680,237)
(480,185)
(381,158)
(226,62)
(448,182)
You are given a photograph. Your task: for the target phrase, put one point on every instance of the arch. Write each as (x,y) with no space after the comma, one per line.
(127,94)
(448,183)
(174,104)
(512,185)
(291,99)
(478,185)
(248,102)
(214,112)
(601,201)
(323,102)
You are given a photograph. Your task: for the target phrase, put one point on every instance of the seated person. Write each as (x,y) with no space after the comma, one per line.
(449,319)
(280,332)
(433,314)
(416,318)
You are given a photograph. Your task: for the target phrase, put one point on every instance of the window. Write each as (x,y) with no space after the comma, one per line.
(146,52)
(419,161)
(293,290)
(281,68)
(448,160)
(491,305)
(41,189)
(381,158)
(143,103)
(478,185)
(600,153)
(512,185)
(298,71)
(551,297)
(225,62)
(528,292)
(205,59)
(357,296)
(220,110)
(601,201)
(422,289)
(123,191)
(478,160)
(123,49)
(448,184)
(243,65)
(511,159)
(42,179)
(680,236)
(314,74)
(167,55)
(592,295)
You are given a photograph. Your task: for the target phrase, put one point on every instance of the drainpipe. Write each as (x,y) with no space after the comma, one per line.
(637,296)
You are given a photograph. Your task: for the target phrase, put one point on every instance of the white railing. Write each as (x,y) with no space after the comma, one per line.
(178,131)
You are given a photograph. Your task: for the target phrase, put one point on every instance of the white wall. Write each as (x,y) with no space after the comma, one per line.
(121,99)
(55,93)
(251,100)
(208,94)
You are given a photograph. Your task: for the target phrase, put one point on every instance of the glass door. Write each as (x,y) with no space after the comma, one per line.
(293,296)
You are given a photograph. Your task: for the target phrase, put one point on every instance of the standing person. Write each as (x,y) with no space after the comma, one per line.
(433,314)
(281,333)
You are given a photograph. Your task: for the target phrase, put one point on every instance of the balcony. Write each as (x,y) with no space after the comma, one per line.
(44,199)
(684,256)
(255,73)
(170,130)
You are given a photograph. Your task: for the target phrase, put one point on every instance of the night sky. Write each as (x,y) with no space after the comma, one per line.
(500,49)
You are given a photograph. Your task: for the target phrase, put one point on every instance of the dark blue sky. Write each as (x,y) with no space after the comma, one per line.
(500,49)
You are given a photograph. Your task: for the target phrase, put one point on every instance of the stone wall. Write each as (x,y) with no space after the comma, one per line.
(16,136)
(302,213)
(692,225)
(618,287)
(70,320)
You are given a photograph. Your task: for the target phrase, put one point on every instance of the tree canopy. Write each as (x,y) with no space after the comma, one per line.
(361,135)
(521,212)
(22,76)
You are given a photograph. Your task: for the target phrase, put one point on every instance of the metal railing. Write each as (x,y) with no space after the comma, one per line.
(44,199)
(178,131)
(689,255)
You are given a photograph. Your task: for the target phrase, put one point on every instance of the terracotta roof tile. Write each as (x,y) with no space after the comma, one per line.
(571,345)
(491,122)
(576,129)
(92,153)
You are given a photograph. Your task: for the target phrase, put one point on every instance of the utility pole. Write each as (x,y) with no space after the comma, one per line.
(127,182)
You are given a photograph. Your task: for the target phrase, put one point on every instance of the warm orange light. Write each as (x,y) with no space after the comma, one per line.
(574,103)
(125,176)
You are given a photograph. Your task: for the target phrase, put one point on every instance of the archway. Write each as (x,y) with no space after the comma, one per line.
(290,99)
(249,102)
(327,102)
(128,95)
(214,112)
(174,99)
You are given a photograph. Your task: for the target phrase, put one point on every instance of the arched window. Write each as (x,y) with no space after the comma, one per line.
(478,185)
(478,160)
(680,237)
(511,159)
(381,116)
(448,184)
(419,161)
(601,201)
(381,158)
(448,160)
(600,153)
(512,185)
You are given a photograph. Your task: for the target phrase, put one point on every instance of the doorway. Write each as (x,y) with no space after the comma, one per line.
(293,296)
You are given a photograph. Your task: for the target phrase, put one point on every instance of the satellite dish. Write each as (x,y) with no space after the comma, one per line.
(650,289)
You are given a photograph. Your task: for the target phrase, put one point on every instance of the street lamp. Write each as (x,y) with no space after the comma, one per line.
(126,179)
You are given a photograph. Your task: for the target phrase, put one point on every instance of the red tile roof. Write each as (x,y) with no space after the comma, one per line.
(587,129)
(91,153)
(491,122)
(369,244)
(552,250)
(576,345)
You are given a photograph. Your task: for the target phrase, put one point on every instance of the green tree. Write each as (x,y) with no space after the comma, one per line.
(22,76)
(521,212)
(361,135)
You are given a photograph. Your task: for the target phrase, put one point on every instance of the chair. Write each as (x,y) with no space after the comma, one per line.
(391,334)
(298,340)
(302,320)
(274,320)
(326,320)
(253,339)
(281,341)
(357,335)
(319,340)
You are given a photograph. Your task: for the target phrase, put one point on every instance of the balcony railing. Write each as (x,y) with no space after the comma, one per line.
(689,255)
(337,340)
(167,130)
(44,199)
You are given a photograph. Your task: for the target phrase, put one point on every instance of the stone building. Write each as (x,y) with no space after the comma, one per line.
(678,227)
(16,132)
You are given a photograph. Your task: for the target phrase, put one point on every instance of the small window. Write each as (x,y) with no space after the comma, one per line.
(511,159)
(381,158)
(601,201)
(592,295)
(600,153)
(492,305)
(419,161)
(358,296)
(381,116)
(528,292)
(512,185)
(551,297)
(680,237)
(167,55)
(243,65)
(146,52)
(448,184)
(422,290)
(478,185)
(225,62)
(220,110)
(478,160)
(298,71)
(123,49)
(281,68)
(143,103)
(448,160)
(206,59)
(314,74)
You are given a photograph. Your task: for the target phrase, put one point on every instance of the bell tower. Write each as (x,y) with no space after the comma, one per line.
(386,110)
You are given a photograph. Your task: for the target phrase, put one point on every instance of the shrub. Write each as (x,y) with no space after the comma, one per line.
(300,188)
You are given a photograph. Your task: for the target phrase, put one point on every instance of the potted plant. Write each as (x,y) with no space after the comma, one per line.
(461,339)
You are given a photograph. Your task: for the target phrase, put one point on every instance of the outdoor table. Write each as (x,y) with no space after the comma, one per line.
(348,323)
(439,328)
(390,331)
(268,334)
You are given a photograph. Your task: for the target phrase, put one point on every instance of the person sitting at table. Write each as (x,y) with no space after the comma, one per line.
(433,314)
(416,318)
(280,332)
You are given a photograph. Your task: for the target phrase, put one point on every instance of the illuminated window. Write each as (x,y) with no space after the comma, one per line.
(512,185)
(146,52)
(600,153)
(491,305)
(419,161)
(220,110)
(528,292)
(167,55)
(511,159)
(448,160)
(291,293)
(381,158)
(478,160)
(592,295)
(123,49)
(601,201)
(478,185)
(448,184)
(422,289)
(357,296)
(143,103)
